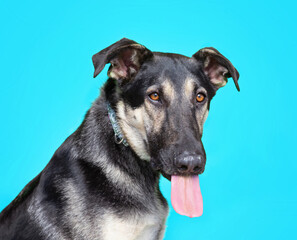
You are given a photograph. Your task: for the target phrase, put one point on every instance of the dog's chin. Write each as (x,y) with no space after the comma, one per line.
(157,167)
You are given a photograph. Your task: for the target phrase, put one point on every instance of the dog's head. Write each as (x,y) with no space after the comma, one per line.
(162,101)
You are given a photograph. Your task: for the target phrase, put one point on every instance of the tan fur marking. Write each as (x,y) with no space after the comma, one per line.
(132,126)
(201,116)
(157,116)
(188,88)
(168,90)
(136,226)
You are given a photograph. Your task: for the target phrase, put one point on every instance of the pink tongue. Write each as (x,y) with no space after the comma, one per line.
(186,196)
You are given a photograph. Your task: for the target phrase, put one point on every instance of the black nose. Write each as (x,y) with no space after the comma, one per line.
(189,163)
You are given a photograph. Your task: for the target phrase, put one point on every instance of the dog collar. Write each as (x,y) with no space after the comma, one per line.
(118,136)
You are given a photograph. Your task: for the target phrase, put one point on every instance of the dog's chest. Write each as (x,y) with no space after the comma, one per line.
(141,227)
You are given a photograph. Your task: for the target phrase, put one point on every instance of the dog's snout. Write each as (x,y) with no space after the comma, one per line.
(188,163)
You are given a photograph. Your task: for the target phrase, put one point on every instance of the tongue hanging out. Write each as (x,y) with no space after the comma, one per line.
(186,195)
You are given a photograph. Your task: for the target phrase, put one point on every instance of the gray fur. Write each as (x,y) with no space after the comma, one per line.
(94,188)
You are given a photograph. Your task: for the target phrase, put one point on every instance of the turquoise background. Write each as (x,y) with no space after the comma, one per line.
(249,186)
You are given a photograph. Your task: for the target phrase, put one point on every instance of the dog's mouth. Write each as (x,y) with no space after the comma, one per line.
(186,198)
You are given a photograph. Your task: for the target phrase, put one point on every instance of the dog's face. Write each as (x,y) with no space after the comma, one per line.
(162,101)
(162,112)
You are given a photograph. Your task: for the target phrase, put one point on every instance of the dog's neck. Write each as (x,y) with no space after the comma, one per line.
(115,162)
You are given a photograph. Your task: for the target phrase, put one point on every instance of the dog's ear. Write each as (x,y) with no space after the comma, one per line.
(217,67)
(125,57)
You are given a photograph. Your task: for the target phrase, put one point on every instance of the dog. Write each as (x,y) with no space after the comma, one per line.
(103,181)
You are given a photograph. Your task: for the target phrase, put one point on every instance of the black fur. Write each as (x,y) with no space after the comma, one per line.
(76,159)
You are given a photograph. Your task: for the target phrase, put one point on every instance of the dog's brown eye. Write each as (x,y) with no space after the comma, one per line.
(200,97)
(154,96)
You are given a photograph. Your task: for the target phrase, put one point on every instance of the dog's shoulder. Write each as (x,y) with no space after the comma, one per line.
(21,197)
(19,217)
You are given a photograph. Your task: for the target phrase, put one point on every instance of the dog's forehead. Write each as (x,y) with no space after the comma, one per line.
(174,65)
(176,71)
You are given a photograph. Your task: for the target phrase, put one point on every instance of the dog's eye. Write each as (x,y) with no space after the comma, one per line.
(154,96)
(200,97)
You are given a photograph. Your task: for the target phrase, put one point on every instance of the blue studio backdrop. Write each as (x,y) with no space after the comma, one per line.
(249,186)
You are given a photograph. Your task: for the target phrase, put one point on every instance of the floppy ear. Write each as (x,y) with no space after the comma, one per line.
(217,67)
(125,57)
